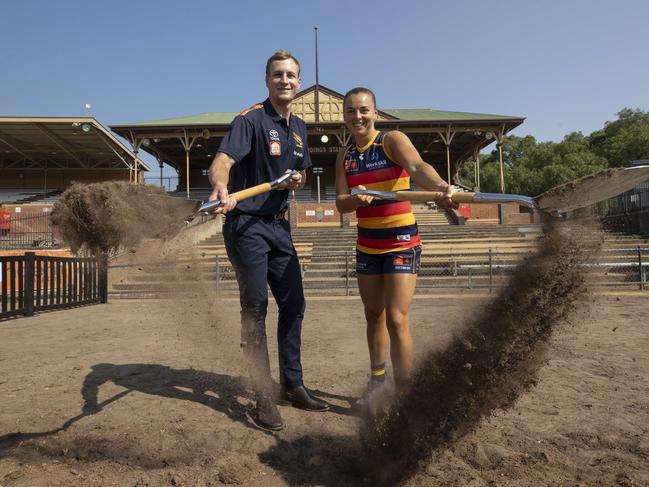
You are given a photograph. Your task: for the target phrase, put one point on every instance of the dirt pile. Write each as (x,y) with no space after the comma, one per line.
(105,217)
(488,365)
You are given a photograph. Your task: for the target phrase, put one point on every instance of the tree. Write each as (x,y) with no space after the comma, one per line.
(532,167)
(623,140)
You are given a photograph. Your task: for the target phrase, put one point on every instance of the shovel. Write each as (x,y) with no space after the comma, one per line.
(209,206)
(567,197)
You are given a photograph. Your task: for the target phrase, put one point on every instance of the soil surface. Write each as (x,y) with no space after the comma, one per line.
(587,191)
(109,216)
(137,393)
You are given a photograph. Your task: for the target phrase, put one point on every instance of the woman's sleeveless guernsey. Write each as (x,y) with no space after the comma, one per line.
(385,225)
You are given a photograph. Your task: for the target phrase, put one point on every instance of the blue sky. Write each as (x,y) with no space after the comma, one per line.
(565,65)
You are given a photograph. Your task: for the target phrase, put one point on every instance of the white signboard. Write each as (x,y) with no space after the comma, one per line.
(329,213)
(310,212)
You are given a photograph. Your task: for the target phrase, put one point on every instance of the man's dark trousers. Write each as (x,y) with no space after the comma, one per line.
(261,251)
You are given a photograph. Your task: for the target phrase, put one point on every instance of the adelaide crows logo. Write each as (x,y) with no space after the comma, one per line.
(298,141)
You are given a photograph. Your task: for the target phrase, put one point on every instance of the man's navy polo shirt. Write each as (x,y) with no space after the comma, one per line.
(264,147)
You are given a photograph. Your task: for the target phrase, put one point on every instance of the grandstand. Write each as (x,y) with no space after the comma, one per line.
(455,259)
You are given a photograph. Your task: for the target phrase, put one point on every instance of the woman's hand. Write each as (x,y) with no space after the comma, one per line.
(362,199)
(445,201)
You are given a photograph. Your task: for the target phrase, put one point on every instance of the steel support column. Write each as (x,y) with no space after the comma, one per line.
(500,138)
(476,171)
(187,145)
(447,138)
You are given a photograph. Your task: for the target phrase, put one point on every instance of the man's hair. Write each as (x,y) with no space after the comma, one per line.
(356,91)
(281,56)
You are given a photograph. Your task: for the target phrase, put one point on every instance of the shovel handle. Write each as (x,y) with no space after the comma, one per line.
(252,191)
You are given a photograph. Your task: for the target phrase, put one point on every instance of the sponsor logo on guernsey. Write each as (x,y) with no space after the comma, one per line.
(376,164)
(275,148)
(404,238)
(397,260)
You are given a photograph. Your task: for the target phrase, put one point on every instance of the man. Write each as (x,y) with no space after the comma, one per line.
(265,142)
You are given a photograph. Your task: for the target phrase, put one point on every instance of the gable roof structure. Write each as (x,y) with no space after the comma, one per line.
(444,138)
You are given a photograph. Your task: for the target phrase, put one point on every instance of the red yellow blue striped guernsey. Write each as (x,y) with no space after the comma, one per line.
(385,225)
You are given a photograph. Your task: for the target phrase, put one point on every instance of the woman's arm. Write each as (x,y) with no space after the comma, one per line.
(345,202)
(399,147)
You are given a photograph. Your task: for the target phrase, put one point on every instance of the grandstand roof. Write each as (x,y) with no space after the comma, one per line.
(61,143)
(197,137)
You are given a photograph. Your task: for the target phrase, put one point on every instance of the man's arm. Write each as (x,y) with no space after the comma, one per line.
(400,148)
(219,177)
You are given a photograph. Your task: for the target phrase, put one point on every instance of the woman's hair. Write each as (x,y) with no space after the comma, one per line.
(281,56)
(356,91)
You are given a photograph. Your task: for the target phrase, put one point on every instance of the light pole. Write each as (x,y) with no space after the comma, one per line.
(317,171)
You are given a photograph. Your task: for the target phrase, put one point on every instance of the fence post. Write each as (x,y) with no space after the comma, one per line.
(491,271)
(102,278)
(640,269)
(28,289)
(346,274)
(218,274)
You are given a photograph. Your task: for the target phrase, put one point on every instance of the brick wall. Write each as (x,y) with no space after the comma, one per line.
(315,214)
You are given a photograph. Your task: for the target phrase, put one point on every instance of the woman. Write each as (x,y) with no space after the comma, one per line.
(388,246)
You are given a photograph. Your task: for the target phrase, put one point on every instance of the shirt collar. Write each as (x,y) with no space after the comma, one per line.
(272,113)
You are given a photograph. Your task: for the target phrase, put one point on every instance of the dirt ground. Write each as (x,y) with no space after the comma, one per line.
(166,402)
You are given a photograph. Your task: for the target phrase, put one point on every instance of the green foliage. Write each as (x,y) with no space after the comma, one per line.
(532,167)
(624,139)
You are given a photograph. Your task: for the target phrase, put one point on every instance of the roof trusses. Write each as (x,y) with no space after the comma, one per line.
(28,143)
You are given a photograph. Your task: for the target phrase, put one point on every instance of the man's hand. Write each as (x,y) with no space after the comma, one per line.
(292,183)
(227,202)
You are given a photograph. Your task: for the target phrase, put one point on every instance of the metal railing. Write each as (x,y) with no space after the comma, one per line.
(31,283)
(27,231)
(169,183)
(334,272)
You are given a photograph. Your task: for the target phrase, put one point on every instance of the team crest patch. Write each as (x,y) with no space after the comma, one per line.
(403,238)
(275,148)
(351,164)
(299,144)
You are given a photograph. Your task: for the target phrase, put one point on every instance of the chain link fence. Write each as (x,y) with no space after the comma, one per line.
(335,272)
(29,231)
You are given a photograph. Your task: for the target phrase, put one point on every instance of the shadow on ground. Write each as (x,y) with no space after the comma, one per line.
(217,391)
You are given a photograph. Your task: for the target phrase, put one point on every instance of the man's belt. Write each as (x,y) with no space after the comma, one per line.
(272,217)
(276,217)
